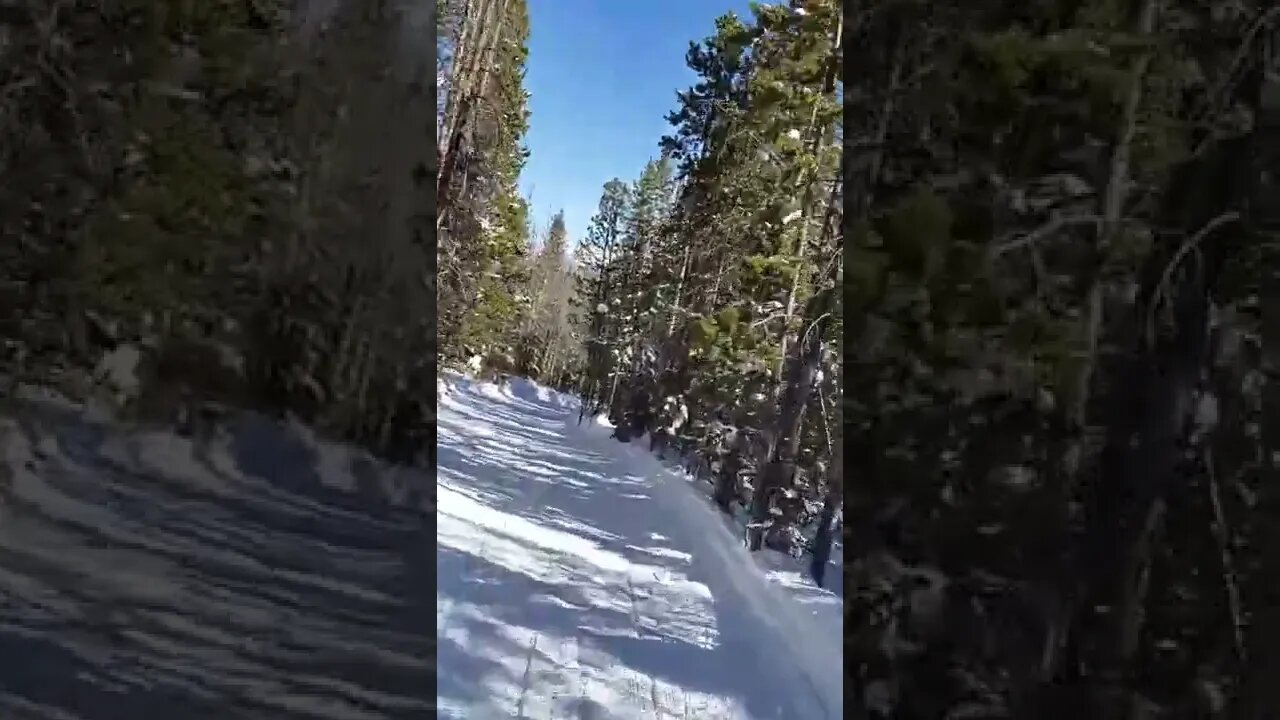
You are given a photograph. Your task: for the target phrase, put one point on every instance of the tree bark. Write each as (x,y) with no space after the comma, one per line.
(802,370)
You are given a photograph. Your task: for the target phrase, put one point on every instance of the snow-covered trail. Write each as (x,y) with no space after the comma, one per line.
(265,575)
(579,579)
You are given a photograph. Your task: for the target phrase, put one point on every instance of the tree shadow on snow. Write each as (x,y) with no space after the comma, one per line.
(138,578)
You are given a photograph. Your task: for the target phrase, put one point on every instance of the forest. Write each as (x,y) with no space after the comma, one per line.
(206,204)
(702,305)
(1060,495)
(1047,363)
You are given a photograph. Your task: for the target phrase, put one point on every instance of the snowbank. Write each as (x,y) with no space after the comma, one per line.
(781,569)
(530,391)
(244,445)
(806,620)
(201,546)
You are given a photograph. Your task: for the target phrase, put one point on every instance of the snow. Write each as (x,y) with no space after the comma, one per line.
(580,577)
(260,572)
(117,372)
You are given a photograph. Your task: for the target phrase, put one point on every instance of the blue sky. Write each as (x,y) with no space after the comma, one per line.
(602,75)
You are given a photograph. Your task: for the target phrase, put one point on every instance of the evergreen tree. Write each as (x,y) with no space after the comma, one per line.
(484,233)
(597,295)
(189,188)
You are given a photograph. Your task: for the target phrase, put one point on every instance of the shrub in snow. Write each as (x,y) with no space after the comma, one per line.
(191,381)
(116,375)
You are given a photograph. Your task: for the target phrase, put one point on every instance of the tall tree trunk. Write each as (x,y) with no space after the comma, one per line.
(831,501)
(467,91)
(802,371)
(1260,694)
(1143,449)
(726,488)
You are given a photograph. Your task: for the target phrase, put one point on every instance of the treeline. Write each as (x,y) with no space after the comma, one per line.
(240,190)
(707,289)
(1060,476)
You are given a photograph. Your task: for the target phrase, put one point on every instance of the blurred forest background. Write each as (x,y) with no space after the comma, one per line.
(1062,495)
(225,200)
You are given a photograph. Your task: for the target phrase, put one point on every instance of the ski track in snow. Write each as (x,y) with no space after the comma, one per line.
(271,576)
(579,579)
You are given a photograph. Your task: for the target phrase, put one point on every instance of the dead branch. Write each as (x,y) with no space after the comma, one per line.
(1222,535)
(1191,243)
(1214,97)
(1060,222)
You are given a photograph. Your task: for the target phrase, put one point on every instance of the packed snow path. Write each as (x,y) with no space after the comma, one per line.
(578,579)
(264,576)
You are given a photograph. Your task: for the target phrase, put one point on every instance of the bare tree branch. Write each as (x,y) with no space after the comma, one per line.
(1060,222)
(1191,243)
(1214,97)
(1221,533)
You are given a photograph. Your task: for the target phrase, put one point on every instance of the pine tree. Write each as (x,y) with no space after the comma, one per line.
(483,247)
(597,293)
